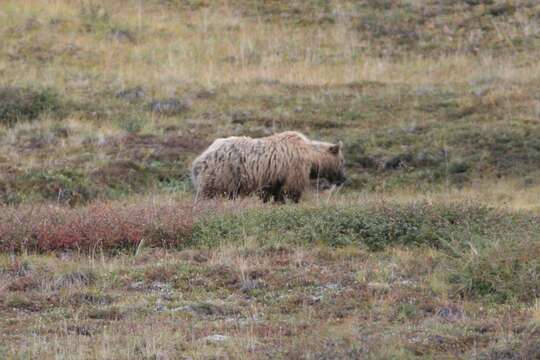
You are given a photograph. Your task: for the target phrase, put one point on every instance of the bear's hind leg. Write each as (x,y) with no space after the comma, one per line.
(294,196)
(277,192)
(265,195)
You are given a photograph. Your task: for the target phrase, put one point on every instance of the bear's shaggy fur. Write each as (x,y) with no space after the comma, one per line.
(278,166)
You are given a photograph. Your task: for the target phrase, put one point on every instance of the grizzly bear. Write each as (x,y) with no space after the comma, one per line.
(278,166)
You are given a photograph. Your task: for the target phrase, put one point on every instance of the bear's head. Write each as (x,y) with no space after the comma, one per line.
(329,162)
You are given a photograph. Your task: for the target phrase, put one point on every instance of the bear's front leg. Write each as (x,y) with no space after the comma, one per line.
(279,197)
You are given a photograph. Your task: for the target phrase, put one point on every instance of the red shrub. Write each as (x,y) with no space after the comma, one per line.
(103,226)
(99,226)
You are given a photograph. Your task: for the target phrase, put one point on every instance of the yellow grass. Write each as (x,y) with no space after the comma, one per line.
(216,45)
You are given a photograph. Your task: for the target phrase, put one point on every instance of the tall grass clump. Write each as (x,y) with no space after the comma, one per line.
(505,269)
(95,18)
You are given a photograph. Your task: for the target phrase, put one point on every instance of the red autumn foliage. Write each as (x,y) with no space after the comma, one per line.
(101,226)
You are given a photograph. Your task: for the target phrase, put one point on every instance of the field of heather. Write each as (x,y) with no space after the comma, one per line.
(430,251)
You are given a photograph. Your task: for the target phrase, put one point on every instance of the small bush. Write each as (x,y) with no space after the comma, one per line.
(132,123)
(17,104)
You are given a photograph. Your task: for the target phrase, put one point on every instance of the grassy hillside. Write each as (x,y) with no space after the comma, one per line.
(104,100)
(431,250)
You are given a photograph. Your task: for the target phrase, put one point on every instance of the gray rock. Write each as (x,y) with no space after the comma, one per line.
(450,313)
(217,338)
(205,94)
(480,90)
(160,287)
(170,107)
(332,286)
(398,161)
(240,117)
(122,35)
(206,309)
(139,285)
(132,94)
(422,90)
(249,285)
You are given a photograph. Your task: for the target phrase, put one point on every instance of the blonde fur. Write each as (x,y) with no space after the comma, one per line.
(278,165)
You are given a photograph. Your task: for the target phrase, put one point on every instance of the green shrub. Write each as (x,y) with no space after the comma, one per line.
(132,123)
(18,104)
(375,227)
(68,187)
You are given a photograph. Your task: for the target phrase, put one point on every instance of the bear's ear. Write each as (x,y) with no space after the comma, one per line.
(334,149)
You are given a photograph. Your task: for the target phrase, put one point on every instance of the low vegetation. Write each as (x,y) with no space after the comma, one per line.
(235,273)
(19,104)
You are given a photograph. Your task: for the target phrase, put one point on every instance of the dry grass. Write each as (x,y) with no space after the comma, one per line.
(217,45)
(308,305)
